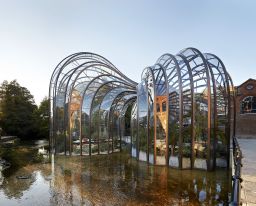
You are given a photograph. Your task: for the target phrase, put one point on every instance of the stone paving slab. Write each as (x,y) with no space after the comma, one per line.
(249,204)
(248,193)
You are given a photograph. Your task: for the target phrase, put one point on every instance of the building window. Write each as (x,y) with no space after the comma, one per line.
(248,105)
(249,87)
(164,106)
(157,107)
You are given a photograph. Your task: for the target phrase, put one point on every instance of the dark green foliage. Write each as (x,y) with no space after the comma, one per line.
(19,116)
(42,117)
(128,121)
(17,108)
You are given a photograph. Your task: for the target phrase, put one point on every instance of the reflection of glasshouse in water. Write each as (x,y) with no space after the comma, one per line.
(178,115)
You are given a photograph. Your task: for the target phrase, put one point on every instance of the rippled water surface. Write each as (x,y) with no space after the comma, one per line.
(116,179)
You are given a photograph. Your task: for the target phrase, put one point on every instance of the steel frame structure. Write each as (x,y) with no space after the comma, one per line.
(181,112)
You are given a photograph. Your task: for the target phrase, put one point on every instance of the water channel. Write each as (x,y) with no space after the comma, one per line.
(34,178)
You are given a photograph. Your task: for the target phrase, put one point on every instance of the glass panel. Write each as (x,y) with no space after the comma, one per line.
(85,126)
(60,132)
(186,128)
(200,78)
(125,121)
(160,133)
(103,132)
(174,129)
(94,131)
(98,131)
(248,105)
(134,131)
(143,121)
(164,106)
(201,120)
(186,115)
(157,107)
(161,117)
(172,72)
(221,134)
(221,149)
(75,106)
(106,118)
(151,140)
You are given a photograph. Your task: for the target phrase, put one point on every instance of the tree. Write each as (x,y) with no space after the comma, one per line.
(42,116)
(17,110)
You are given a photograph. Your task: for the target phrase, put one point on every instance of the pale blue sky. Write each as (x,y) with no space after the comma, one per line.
(36,35)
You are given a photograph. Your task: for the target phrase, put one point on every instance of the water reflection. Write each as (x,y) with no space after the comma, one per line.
(116,179)
(120,179)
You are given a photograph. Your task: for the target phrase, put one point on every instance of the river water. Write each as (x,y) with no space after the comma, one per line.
(116,179)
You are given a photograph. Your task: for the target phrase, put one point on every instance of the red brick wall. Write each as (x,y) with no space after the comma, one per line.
(245,123)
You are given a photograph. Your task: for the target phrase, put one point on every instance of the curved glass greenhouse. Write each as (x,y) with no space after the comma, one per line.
(178,115)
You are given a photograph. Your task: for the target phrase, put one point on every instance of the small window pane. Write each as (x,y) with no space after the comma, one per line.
(164,106)
(157,107)
(248,105)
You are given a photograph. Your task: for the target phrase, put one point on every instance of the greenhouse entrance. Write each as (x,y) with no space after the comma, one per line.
(179,115)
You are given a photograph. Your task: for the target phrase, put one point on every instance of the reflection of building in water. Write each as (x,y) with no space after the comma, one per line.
(178,115)
(208,192)
(131,182)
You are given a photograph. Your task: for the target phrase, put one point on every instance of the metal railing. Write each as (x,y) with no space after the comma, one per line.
(236,178)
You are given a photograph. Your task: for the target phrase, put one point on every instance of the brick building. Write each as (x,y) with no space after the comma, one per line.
(246,109)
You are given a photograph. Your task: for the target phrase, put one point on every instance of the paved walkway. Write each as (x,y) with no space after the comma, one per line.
(248,193)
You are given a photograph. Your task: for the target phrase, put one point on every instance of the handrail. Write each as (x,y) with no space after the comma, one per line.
(236,178)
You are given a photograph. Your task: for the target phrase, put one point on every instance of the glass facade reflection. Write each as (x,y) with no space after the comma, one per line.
(178,115)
